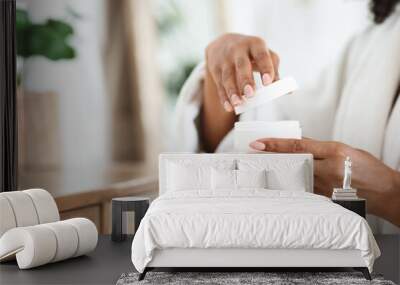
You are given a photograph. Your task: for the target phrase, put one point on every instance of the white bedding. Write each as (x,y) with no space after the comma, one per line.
(251,218)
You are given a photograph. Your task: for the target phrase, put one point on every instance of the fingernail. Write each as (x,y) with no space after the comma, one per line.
(266,79)
(235,100)
(257,145)
(248,91)
(228,106)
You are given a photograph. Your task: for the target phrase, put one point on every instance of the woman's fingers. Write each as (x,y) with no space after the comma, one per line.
(319,149)
(232,59)
(223,98)
(225,102)
(229,83)
(275,62)
(244,75)
(262,58)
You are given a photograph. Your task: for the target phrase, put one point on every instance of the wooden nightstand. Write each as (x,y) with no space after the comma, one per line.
(357,206)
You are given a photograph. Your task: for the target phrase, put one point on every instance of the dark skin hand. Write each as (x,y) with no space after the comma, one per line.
(230,62)
(374,180)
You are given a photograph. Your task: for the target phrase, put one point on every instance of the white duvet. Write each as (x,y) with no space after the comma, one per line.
(250,219)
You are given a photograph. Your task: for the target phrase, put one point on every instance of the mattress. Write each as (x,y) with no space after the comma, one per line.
(252,219)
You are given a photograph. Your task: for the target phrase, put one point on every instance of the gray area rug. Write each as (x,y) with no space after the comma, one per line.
(225,278)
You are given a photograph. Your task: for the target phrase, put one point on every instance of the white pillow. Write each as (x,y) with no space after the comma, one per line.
(282,174)
(251,178)
(188,177)
(223,179)
(292,179)
(226,179)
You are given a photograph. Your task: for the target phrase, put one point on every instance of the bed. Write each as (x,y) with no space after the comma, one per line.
(247,211)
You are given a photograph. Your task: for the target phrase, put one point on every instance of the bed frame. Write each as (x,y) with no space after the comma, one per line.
(240,260)
(236,259)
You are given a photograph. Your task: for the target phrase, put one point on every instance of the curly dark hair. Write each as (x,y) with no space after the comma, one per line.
(382,9)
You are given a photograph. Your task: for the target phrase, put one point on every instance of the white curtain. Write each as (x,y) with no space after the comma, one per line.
(133,80)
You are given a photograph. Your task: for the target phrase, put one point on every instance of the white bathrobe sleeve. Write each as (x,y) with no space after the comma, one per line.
(315,104)
(185,137)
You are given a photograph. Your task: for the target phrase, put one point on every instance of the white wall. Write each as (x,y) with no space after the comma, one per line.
(307,34)
(79,83)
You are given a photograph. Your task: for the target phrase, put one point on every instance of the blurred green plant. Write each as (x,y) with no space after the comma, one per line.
(176,79)
(168,17)
(48,39)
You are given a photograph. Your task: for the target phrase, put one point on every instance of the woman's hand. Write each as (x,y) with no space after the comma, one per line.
(231,60)
(375,181)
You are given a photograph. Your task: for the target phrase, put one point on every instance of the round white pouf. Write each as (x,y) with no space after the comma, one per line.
(23,208)
(45,205)
(7,218)
(67,240)
(40,244)
(33,246)
(87,233)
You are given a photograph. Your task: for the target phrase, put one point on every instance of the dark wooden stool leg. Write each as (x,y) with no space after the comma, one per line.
(364,271)
(116,233)
(143,274)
